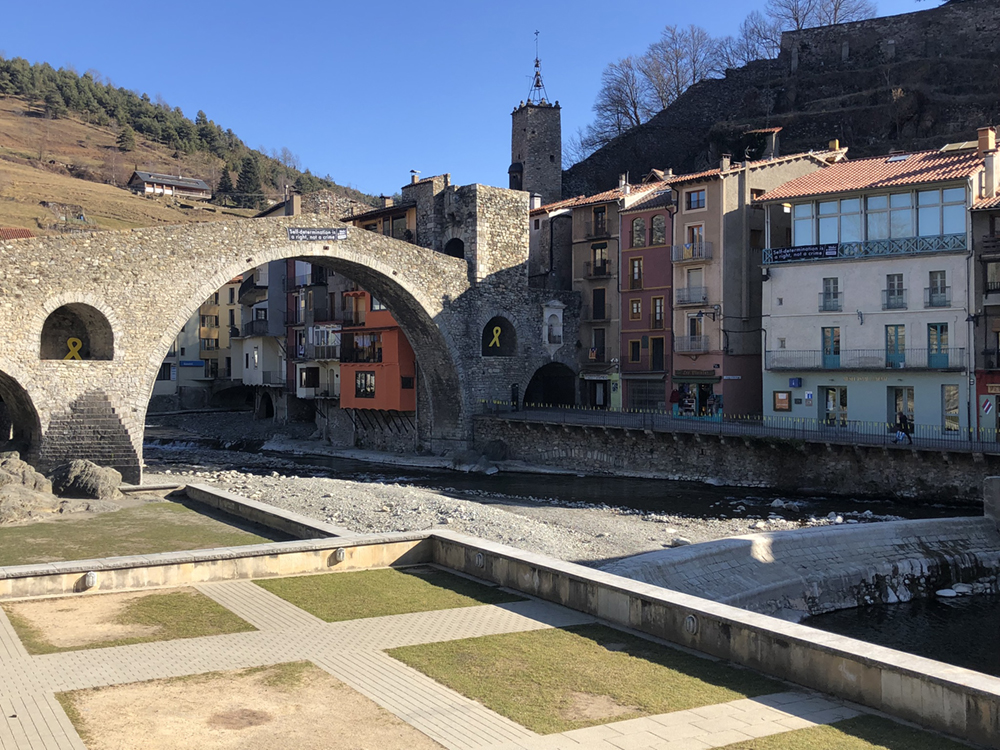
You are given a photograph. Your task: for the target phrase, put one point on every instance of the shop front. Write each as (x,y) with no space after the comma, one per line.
(697,393)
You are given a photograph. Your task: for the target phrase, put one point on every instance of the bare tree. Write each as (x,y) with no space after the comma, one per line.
(842,11)
(623,99)
(680,58)
(793,14)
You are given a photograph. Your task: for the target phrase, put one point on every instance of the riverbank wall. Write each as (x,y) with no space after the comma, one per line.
(793,466)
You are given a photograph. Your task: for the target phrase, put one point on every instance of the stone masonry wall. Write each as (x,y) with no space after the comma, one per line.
(789,466)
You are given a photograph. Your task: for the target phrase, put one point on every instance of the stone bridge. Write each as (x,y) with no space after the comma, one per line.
(121,298)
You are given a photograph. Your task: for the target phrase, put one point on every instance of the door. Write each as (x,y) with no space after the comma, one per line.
(831,348)
(937,345)
(895,346)
(835,406)
(598,299)
(900,400)
(656,356)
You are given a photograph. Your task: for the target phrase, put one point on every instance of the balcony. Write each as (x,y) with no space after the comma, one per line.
(893,299)
(319,353)
(691,295)
(946,243)
(656,321)
(273,377)
(692,251)
(251,292)
(691,344)
(937,296)
(255,328)
(592,229)
(635,283)
(598,269)
(363,355)
(596,314)
(597,354)
(952,359)
(831,301)
(316,278)
(990,243)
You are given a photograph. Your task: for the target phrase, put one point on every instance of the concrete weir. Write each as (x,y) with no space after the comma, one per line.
(957,701)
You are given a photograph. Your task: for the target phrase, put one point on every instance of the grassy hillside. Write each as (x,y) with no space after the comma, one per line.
(39,158)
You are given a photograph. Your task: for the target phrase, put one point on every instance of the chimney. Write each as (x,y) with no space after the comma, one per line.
(669,172)
(771,146)
(835,144)
(990,174)
(621,181)
(293,206)
(535,201)
(386,201)
(987,140)
(724,164)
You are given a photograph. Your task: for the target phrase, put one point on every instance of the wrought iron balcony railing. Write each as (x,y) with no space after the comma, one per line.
(831,301)
(946,358)
(692,295)
(893,299)
(692,251)
(691,344)
(937,296)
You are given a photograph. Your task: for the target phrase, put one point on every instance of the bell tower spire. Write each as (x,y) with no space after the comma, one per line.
(537,94)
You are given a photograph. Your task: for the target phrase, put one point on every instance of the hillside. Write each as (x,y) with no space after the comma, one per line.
(911,81)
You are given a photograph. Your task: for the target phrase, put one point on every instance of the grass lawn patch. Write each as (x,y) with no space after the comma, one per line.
(374,593)
(562,679)
(860,733)
(48,626)
(144,529)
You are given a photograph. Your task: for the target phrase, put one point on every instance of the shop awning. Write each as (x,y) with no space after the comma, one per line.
(696,379)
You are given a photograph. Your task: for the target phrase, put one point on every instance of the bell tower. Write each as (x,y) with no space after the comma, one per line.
(536,142)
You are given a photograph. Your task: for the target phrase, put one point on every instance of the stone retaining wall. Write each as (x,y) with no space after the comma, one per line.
(786,465)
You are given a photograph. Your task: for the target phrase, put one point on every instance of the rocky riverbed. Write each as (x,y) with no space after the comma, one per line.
(582,532)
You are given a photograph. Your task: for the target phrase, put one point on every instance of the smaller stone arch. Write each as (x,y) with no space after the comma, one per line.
(265,406)
(20,428)
(77,331)
(455,247)
(553,384)
(499,338)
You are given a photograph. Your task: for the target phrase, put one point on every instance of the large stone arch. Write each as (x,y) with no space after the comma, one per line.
(416,312)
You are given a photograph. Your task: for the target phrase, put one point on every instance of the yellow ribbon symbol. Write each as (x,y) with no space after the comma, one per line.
(496,337)
(74,345)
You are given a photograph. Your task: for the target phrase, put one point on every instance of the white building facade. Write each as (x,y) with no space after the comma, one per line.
(866,294)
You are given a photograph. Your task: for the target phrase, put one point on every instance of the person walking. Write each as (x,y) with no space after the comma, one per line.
(903,429)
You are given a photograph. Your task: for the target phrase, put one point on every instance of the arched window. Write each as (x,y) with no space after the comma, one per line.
(455,248)
(499,338)
(658,230)
(76,332)
(554,326)
(638,232)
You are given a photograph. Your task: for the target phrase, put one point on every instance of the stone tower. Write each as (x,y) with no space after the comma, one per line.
(536,144)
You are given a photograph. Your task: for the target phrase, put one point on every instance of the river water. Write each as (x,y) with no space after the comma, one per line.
(961,631)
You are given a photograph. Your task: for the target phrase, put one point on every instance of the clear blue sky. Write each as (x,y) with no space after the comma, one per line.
(364,92)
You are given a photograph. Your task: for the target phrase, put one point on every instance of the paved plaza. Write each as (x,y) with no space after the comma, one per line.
(353,652)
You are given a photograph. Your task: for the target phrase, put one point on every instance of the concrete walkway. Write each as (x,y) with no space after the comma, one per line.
(353,652)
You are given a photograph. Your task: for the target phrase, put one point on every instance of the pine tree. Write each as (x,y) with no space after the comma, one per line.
(126,139)
(248,185)
(224,190)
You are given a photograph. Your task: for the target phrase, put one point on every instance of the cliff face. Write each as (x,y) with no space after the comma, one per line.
(902,82)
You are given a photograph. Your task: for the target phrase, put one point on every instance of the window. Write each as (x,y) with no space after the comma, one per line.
(600,220)
(831,347)
(373,227)
(781,343)
(894,295)
(635,309)
(839,221)
(309,377)
(164,373)
(634,351)
(215,298)
(537,223)
(232,317)
(937,345)
(364,384)
(900,400)
(597,346)
(658,312)
(802,224)
(940,212)
(831,299)
(399,227)
(638,232)
(246,362)
(658,230)
(635,273)
(182,351)
(895,346)
(694,199)
(938,293)
(406,382)
(696,234)
(694,325)
(949,408)
(992,277)
(598,297)
(232,294)
(376,305)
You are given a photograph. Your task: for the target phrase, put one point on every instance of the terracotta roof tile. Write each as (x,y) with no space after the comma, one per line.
(896,170)
(15,233)
(824,156)
(664,197)
(982,205)
(606,197)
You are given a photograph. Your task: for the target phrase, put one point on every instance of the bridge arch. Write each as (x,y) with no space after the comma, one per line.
(438,359)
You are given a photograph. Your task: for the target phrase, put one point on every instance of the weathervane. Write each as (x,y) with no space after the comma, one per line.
(537,94)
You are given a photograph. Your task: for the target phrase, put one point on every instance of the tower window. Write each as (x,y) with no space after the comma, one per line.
(552,158)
